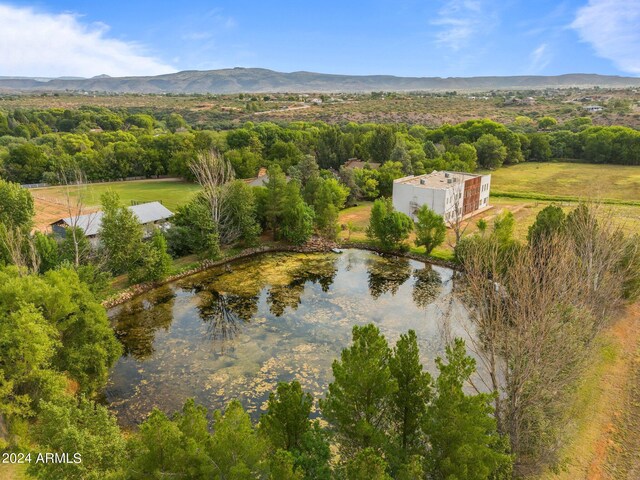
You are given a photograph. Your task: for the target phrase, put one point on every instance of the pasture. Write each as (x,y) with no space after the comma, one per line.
(579,180)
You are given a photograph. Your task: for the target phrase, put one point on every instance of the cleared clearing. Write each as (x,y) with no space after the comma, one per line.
(617,182)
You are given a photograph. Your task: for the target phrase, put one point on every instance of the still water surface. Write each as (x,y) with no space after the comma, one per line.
(234,332)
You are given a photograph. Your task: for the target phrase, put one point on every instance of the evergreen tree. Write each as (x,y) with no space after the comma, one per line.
(240,212)
(550,220)
(367,465)
(409,402)
(329,199)
(287,417)
(358,402)
(297,216)
(283,468)
(462,429)
(193,230)
(275,199)
(503,226)
(47,250)
(236,449)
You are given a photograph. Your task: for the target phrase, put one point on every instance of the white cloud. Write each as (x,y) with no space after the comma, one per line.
(612,27)
(460,21)
(539,58)
(42,44)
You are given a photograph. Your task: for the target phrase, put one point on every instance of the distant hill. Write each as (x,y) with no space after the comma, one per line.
(250,80)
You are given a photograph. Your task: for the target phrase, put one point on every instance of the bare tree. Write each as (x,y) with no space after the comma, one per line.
(214,173)
(599,245)
(536,318)
(21,248)
(455,216)
(74,189)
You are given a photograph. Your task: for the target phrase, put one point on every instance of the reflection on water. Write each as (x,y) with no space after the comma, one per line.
(234,333)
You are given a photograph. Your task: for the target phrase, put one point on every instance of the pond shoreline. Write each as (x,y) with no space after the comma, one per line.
(315,246)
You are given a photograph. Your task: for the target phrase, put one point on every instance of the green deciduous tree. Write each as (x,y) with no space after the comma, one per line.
(387,173)
(28,343)
(491,151)
(120,235)
(387,226)
(430,229)
(16,205)
(155,262)
(84,346)
(81,427)
(381,143)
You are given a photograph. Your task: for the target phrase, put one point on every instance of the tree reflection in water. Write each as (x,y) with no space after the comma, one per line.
(387,274)
(427,286)
(140,319)
(224,314)
(321,271)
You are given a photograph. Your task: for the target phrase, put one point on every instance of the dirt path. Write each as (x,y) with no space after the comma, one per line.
(598,450)
(621,453)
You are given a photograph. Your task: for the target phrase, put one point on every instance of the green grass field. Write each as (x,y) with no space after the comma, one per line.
(583,181)
(172,193)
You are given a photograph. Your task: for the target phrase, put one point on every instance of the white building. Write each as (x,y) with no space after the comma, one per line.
(594,108)
(449,194)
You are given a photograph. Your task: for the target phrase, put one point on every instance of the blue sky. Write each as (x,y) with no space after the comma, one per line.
(398,37)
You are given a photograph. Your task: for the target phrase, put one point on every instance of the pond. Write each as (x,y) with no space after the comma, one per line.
(234,332)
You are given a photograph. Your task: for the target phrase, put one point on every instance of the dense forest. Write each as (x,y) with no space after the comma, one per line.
(39,145)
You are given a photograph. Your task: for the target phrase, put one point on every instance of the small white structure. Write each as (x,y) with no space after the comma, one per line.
(593,108)
(453,195)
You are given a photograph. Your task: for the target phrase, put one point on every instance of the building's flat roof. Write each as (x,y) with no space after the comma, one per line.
(436,179)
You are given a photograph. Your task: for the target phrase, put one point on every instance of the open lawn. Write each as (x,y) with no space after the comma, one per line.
(524,210)
(596,182)
(50,201)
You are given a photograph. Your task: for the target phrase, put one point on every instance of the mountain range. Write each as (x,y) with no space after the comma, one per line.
(256,80)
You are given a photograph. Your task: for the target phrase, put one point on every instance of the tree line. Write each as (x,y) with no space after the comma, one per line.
(39,145)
